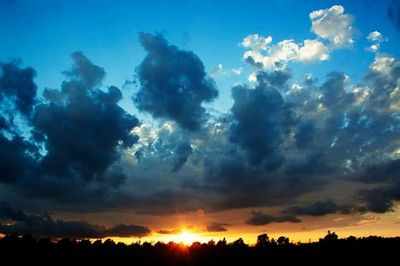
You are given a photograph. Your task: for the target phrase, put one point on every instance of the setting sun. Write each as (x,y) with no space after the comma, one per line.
(186,238)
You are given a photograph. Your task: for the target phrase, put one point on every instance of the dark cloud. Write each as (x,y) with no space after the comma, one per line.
(259,115)
(124,230)
(182,152)
(45,226)
(17,159)
(381,131)
(381,199)
(168,232)
(51,147)
(318,208)
(259,218)
(381,172)
(74,148)
(305,134)
(259,131)
(17,85)
(168,143)
(173,83)
(90,128)
(333,91)
(217,227)
(17,98)
(394,13)
(8,212)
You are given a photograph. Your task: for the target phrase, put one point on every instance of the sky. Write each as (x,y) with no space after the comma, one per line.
(176,120)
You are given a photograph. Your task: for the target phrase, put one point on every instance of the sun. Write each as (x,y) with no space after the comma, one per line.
(186,238)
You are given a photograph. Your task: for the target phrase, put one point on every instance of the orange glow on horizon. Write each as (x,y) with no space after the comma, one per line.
(186,238)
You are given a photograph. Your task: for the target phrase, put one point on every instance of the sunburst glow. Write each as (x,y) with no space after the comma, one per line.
(186,238)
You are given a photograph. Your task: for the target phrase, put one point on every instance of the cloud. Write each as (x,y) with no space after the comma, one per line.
(168,232)
(333,25)
(258,117)
(376,38)
(173,83)
(394,13)
(333,91)
(16,160)
(333,28)
(92,124)
(380,199)
(168,143)
(17,84)
(65,146)
(259,218)
(318,208)
(256,42)
(183,151)
(45,226)
(268,56)
(124,230)
(221,71)
(382,64)
(278,55)
(281,140)
(313,50)
(217,227)
(17,98)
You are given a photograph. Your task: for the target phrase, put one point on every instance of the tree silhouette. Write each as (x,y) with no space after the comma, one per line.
(283,241)
(24,249)
(262,241)
(331,237)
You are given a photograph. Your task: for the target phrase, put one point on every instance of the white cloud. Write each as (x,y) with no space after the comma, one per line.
(252,77)
(376,38)
(334,25)
(256,42)
(382,64)
(237,71)
(286,51)
(313,50)
(220,71)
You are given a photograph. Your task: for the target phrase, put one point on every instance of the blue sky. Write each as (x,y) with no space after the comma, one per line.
(44,33)
(284,112)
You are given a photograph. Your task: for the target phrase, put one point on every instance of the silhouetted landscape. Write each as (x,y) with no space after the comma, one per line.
(266,251)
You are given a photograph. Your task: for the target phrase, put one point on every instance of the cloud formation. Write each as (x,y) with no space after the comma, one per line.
(65,145)
(375,38)
(45,226)
(332,26)
(281,139)
(92,125)
(259,218)
(173,83)
(17,97)
(258,117)
(217,227)
(318,208)
(17,83)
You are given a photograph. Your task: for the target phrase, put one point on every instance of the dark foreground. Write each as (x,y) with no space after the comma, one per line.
(328,251)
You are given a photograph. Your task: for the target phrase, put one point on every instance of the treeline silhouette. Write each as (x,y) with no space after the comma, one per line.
(328,250)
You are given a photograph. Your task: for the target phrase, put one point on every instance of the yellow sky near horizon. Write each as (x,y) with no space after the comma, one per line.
(195,223)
